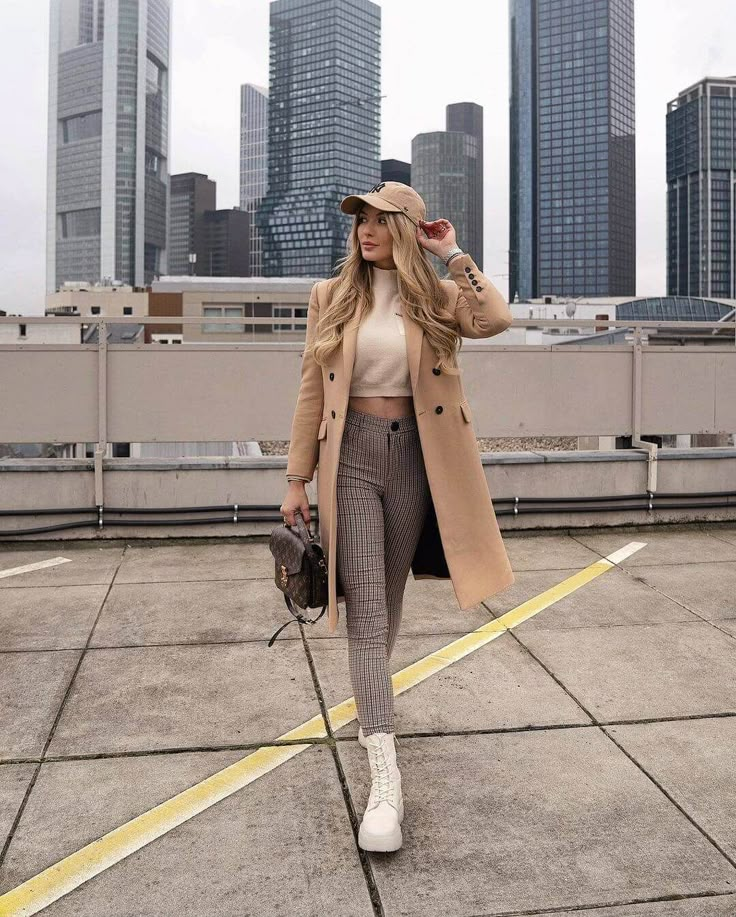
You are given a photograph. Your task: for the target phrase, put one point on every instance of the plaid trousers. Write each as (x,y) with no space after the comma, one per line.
(382,499)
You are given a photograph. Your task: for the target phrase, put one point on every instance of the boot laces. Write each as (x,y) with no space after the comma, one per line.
(382,778)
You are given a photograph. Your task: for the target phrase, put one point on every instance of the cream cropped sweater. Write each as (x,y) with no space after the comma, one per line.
(381,362)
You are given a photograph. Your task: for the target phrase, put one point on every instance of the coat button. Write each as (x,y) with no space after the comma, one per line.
(333,413)
(471,276)
(395,425)
(438,409)
(474,282)
(332,376)
(478,288)
(436,370)
(467,270)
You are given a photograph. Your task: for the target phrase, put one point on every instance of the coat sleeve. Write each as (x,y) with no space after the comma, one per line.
(304,445)
(481,311)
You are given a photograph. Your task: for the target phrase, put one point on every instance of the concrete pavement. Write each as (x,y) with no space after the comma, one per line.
(581,762)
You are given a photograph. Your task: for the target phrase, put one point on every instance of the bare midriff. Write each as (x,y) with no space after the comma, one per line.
(388,406)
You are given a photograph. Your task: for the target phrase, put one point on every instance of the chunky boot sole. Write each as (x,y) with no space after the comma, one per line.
(382,843)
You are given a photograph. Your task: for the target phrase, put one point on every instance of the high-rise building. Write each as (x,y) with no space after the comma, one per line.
(701,177)
(440,176)
(228,236)
(467,118)
(253,161)
(191,195)
(396,170)
(572,148)
(323,130)
(447,170)
(108,141)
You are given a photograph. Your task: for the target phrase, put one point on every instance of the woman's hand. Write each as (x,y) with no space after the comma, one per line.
(438,237)
(296,498)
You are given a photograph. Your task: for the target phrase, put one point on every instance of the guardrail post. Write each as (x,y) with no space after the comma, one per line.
(101,444)
(636,395)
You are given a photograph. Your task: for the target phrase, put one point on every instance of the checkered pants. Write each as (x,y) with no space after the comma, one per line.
(382,499)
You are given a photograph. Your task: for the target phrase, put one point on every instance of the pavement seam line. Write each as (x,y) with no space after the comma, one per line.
(365,863)
(52,729)
(69,873)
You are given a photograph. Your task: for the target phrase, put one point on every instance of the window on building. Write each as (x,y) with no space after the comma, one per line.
(81,127)
(76,224)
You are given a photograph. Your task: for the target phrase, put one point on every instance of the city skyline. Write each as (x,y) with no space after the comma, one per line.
(676,45)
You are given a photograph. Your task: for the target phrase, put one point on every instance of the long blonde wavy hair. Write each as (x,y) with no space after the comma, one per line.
(419,287)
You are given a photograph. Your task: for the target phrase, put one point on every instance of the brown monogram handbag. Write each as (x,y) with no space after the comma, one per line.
(301,570)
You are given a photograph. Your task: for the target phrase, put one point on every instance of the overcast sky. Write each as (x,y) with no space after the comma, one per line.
(434,53)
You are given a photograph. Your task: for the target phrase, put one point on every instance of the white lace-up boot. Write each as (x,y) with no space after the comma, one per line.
(380,829)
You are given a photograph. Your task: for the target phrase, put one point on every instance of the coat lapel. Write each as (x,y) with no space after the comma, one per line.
(414,335)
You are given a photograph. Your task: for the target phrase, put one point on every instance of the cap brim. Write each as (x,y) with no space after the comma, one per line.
(353,202)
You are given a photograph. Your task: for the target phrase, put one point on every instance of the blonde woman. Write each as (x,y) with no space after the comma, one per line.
(382,413)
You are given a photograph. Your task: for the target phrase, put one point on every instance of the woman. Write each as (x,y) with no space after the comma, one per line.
(381,411)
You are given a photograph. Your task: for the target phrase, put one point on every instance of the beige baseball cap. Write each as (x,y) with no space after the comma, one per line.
(394,196)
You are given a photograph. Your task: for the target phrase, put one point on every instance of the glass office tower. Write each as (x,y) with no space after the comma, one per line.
(107,141)
(467,117)
(701,183)
(253,161)
(444,169)
(191,195)
(572,146)
(447,171)
(323,130)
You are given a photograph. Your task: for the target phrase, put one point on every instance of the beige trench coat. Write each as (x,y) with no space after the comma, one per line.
(460,539)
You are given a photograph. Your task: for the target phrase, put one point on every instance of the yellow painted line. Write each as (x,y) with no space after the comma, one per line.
(39,565)
(423,668)
(58,880)
(63,877)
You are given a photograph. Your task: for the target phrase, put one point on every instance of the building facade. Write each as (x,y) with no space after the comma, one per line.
(442,176)
(108,143)
(228,243)
(572,148)
(323,130)
(701,190)
(467,118)
(396,170)
(253,162)
(192,194)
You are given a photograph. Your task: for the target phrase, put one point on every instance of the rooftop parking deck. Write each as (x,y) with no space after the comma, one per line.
(566,747)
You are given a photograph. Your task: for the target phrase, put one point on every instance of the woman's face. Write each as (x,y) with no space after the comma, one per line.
(376,242)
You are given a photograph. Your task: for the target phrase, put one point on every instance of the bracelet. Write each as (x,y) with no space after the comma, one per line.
(451,254)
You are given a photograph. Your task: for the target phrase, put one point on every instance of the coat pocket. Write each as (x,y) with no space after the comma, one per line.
(322,429)
(467,414)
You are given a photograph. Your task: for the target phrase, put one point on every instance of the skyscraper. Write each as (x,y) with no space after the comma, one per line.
(447,170)
(192,195)
(572,147)
(107,140)
(323,129)
(228,235)
(396,170)
(701,177)
(467,117)
(253,161)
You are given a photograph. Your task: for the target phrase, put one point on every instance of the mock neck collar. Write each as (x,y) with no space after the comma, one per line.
(385,279)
